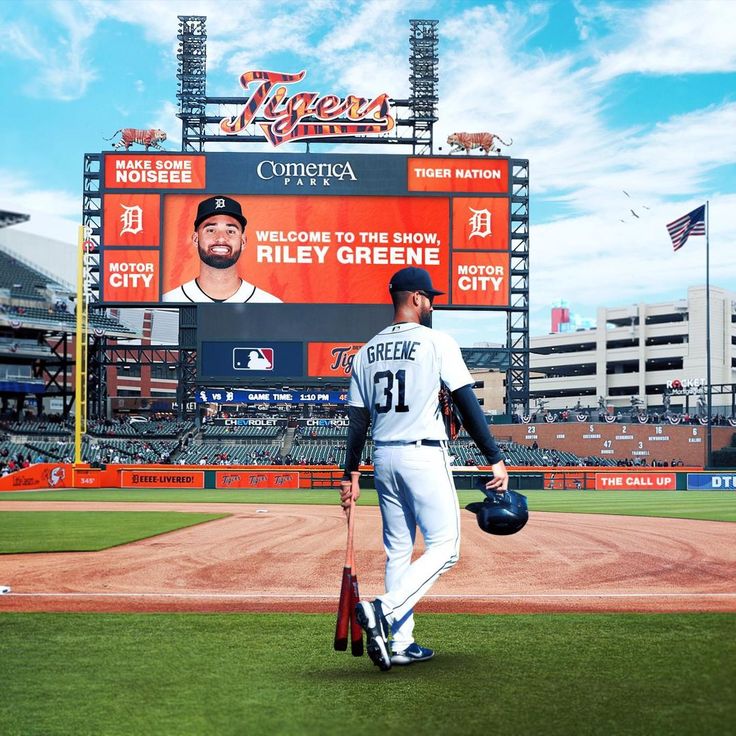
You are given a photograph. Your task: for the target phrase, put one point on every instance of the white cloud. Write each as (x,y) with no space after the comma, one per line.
(165,119)
(62,67)
(592,261)
(555,108)
(54,213)
(554,105)
(17,38)
(240,35)
(359,28)
(669,37)
(539,101)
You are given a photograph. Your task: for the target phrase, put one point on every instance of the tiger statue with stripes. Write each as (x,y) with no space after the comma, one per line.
(467,141)
(150,137)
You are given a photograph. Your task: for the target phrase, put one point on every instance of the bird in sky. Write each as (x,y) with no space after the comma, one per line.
(631,210)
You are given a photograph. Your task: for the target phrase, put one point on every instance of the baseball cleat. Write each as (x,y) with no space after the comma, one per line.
(413,653)
(370,617)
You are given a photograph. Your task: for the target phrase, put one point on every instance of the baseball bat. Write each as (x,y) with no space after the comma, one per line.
(356,633)
(344,611)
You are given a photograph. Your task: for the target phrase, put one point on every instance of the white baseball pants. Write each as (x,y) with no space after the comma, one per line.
(415,489)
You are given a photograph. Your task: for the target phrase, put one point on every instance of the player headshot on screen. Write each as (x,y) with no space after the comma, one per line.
(219,237)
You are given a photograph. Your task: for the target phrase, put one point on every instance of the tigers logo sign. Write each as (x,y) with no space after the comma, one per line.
(331,358)
(265,479)
(285,114)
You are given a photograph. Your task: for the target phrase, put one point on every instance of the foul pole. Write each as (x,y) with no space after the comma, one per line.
(709,426)
(80,372)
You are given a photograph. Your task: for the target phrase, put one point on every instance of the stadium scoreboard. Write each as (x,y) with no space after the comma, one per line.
(324,231)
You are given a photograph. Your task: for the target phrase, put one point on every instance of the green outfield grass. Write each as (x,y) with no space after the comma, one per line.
(184,495)
(86,531)
(277,674)
(707,505)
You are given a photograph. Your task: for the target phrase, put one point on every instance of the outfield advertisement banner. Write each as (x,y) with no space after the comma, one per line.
(321,228)
(711,481)
(646,481)
(256,479)
(40,475)
(147,478)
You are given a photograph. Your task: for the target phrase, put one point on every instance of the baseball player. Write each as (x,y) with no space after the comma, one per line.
(395,384)
(219,237)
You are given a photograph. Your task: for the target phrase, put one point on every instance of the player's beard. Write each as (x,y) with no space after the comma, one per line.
(216,260)
(425,317)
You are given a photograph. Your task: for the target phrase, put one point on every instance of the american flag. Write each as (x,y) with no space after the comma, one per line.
(693,223)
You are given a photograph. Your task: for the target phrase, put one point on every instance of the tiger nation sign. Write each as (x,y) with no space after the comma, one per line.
(321,228)
(290,117)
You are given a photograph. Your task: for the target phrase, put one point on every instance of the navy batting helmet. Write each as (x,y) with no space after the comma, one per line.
(501,513)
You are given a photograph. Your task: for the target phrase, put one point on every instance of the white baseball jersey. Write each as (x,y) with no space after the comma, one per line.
(190,292)
(396,376)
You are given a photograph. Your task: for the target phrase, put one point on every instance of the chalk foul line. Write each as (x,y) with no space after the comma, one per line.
(333,596)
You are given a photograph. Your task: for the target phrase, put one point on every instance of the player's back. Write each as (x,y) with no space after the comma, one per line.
(396,376)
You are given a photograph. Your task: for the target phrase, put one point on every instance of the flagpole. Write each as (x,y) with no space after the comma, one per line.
(709,433)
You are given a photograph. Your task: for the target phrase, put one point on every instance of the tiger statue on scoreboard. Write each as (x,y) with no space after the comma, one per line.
(468,141)
(148,137)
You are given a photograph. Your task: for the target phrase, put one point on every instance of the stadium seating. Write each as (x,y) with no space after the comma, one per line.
(22,281)
(168,440)
(160,428)
(210,431)
(40,426)
(215,453)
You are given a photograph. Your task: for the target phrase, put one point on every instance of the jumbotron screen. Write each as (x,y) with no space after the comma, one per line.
(321,228)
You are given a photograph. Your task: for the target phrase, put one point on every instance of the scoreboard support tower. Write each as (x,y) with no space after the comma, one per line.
(414,128)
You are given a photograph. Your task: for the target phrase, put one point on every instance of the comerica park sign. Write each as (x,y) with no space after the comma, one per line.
(286,115)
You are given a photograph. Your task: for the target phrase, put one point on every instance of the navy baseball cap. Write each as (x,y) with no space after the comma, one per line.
(413,279)
(219,206)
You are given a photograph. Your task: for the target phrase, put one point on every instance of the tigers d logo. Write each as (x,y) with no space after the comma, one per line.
(284,114)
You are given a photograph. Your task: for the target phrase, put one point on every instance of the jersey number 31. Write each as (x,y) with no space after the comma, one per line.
(387,379)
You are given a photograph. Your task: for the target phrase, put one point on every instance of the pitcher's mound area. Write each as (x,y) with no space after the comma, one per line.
(290,558)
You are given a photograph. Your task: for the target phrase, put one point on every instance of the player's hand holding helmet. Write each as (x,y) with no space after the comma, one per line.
(499,481)
(501,513)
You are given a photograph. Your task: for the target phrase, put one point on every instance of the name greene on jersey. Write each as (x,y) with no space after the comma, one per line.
(397,375)
(394,350)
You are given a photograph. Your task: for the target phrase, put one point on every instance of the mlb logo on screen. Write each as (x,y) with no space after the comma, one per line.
(253,359)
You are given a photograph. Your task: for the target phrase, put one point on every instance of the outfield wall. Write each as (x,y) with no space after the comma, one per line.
(660,442)
(60,476)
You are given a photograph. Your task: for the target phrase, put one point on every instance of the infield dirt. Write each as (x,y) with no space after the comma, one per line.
(289,558)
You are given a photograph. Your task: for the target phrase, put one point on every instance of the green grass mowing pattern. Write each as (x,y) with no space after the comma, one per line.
(182,495)
(277,674)
(85,531)
(707,505)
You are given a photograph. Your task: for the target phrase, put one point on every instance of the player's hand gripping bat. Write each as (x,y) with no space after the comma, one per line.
(349,597)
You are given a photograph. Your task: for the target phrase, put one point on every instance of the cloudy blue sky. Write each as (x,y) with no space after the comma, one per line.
(601,97)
